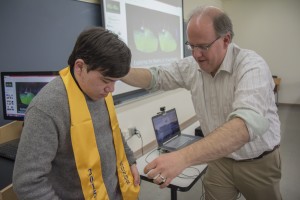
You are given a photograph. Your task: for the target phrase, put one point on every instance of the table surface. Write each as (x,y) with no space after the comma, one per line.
(187,178)
(183,182)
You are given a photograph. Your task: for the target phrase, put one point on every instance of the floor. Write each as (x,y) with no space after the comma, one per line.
(290,149)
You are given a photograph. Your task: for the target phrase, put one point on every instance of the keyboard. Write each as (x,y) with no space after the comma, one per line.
(9,149)
(178,142)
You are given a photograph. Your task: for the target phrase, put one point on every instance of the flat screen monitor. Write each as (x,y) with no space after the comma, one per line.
(19,88)
(153,30)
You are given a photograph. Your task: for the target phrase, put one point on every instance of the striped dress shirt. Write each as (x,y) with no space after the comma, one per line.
(243,82)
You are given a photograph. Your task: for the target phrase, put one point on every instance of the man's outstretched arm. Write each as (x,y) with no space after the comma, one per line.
(138,77)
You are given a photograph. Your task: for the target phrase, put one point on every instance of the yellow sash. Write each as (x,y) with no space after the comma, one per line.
(85,149)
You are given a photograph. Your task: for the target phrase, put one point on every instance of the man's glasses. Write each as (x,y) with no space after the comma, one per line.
(200,47)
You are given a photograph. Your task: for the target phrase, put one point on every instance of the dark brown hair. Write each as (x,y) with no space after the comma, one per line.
(103,51)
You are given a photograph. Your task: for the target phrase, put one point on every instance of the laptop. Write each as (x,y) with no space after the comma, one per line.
(167,131)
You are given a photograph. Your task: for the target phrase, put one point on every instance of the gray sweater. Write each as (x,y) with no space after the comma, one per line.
(45,166)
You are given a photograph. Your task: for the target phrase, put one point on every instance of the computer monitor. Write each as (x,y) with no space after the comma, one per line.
(19,88)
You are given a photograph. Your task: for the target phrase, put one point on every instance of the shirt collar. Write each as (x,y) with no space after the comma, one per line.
(227,64)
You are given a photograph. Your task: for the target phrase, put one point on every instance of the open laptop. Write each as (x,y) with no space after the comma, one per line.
(168,134)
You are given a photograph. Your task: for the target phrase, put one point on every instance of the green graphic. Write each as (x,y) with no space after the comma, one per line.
(113,7)
(145,41)
(26,97)
(167,42)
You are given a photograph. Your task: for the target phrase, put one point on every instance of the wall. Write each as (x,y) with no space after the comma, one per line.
(271,28)
(189,5)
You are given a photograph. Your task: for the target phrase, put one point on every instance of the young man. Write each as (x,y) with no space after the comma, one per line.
(232,92)
(71,146)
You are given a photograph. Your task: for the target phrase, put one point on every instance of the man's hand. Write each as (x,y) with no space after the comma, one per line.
(138,77)
(226,139)
(165,168)
(135,174)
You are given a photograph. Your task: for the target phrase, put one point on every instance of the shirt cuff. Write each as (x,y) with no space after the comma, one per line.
(256,124)
(154,73)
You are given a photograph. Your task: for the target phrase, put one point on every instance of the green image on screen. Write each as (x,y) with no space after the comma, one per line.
(26,97)
(145,40)
(167,42)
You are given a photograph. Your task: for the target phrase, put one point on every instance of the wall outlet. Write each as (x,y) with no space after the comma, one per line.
(126,134)
(131,131)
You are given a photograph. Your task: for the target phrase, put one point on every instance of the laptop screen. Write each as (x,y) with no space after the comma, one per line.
(166,126)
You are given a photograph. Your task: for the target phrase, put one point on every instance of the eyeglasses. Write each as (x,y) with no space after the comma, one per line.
(200,47)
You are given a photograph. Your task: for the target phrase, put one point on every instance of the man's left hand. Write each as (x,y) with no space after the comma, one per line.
(165,168)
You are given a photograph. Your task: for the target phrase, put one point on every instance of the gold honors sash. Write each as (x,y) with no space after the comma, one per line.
(85,149)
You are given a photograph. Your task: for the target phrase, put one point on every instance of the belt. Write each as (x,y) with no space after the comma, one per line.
(260,156)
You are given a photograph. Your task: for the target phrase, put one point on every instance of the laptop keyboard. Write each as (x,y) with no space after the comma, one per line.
(179,141)
(9,149)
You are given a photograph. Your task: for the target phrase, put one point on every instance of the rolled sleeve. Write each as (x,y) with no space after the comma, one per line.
(154,73)
(257,124)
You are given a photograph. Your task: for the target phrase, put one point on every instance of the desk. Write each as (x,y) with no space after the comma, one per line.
(6,171)
(8,132)
(192,174)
